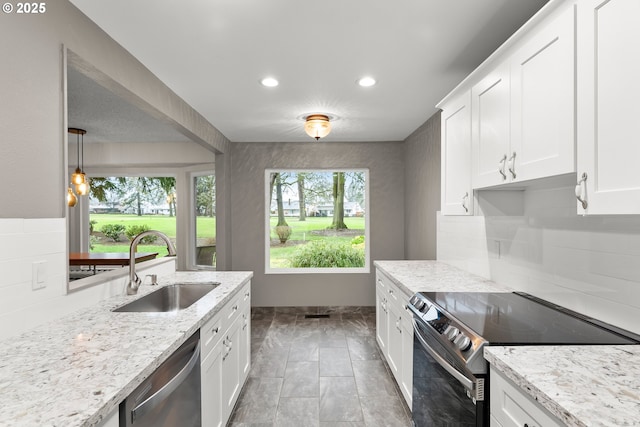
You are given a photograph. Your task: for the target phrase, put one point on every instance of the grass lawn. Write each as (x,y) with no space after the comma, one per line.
(205,226)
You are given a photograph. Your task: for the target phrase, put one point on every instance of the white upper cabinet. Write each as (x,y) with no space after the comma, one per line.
(608,106)
(457,196)
(490,132)
(523,111)
(542,101)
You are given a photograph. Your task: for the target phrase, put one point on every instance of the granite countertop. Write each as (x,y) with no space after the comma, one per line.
(435,276)
(76,370)
(597,387)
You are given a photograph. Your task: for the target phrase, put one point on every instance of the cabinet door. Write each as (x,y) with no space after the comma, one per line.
(394,348)
(457,196)
(406,385)
(382,333)
(245,343)
(211,397)
(542,101)
(231,368)
(512,408)
(608,107)
(490,131)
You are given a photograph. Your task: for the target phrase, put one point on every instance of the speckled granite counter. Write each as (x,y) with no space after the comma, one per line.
(435,276)
(76,370)
(598,387)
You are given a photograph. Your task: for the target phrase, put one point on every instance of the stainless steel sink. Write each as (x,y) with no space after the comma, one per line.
(170,298)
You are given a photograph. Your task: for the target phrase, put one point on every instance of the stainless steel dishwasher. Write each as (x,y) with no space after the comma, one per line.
(171,395)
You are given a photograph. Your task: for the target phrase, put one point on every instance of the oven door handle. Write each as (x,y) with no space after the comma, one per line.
(466,382)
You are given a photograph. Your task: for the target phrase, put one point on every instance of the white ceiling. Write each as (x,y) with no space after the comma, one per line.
(213,54)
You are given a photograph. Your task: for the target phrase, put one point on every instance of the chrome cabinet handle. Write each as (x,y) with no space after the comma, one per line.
(464,199)
(503,162)
(581,191)
(512,165)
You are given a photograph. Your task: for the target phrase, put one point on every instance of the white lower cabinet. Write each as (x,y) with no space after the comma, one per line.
(493,422)
(111,420)
(406,377)
(211,372)
(510,407)
(382,329)
(226,358)
(395,332)
(231,369)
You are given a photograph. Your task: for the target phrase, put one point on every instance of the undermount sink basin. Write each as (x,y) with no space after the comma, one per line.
(170,298)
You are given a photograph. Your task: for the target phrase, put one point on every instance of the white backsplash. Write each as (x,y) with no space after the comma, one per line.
(25,241)
(590,264)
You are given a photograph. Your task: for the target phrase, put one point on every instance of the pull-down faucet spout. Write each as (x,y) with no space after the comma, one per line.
(134,280)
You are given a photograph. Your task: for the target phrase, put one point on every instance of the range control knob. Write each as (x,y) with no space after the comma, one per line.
(463,342)
(451,332)
(419,304)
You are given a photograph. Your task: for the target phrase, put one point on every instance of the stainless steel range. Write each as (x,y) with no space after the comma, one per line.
(450,374)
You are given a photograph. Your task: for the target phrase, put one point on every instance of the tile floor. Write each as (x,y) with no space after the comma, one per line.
(324,372)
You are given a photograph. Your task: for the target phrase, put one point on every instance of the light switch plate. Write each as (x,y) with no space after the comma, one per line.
(38,275)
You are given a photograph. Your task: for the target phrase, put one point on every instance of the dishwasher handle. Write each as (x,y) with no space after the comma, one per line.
(153,400)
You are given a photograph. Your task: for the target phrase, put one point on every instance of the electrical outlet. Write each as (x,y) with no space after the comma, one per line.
(38,275)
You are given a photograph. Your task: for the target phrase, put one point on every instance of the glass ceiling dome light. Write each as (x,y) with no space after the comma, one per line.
(317,126)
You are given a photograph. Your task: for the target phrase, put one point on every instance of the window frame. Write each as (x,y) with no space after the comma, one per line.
(332,270)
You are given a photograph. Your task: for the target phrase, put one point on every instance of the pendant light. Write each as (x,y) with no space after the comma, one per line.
(317,126)
(79,178)
(72,200)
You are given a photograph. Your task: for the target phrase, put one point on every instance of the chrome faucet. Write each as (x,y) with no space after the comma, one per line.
(134,280)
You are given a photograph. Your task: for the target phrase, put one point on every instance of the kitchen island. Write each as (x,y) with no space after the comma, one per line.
(76,370)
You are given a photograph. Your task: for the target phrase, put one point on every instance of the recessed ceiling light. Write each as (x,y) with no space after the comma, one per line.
(269,82)
(367,81)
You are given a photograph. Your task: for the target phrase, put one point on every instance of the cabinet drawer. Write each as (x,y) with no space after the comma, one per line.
(511,407)
(210,334)
(232,310)
(390,290)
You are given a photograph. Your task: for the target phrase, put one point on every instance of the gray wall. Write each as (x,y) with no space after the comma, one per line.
(32,111)
(422,189)
(386,185)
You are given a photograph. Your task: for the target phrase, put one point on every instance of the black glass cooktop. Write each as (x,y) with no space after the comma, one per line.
(514,319)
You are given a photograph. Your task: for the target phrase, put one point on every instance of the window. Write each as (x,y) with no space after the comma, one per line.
(122,207)
(204,187)
(317,221)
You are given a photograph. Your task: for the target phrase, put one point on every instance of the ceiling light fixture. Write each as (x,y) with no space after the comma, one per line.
(317,126)
(367,81)
(269,82)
